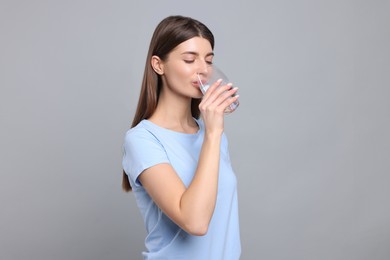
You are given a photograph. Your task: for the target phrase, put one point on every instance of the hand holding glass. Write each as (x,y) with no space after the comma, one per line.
(212,77)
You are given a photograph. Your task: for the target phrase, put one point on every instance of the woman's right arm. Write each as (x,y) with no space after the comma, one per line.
(192,208)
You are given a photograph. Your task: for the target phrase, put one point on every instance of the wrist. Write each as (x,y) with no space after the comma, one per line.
(213,135)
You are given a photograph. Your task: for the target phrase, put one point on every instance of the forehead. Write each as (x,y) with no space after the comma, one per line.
(196,44)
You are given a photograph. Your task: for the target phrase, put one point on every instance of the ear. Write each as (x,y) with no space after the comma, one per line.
(157,65)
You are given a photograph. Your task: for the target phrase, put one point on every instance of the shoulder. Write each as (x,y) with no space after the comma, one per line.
(142,139)
(141,150)
(139,133)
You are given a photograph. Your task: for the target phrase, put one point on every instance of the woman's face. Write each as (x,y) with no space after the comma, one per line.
(184,63)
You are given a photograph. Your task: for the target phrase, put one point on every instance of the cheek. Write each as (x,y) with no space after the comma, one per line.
(176,80)
(184,70)
(180,73)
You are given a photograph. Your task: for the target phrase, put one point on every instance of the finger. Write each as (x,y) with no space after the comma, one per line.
(220,102)
(212,88)
(226,95)
(217,91)
(229,101)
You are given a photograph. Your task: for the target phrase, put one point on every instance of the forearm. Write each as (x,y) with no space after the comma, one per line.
(198,201)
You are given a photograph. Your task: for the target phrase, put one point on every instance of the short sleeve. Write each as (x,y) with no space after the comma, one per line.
(141,150)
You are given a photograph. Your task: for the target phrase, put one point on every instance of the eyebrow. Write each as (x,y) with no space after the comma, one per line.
(197,54)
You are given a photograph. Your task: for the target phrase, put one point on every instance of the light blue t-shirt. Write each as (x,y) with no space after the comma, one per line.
(147,145)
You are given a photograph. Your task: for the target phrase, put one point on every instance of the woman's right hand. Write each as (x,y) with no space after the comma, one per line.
(213,105)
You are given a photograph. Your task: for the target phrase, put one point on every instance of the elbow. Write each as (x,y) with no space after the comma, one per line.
(197,230)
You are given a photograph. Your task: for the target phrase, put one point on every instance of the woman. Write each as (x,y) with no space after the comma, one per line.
(176,163)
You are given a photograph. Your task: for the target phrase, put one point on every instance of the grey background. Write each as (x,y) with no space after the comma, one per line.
(310,142)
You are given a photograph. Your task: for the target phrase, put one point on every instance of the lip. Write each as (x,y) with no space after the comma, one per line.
(196,84)
(200,82)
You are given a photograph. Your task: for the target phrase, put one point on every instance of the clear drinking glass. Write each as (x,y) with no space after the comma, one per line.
(214,75)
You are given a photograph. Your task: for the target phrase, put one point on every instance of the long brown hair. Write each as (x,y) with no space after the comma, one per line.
(169,33)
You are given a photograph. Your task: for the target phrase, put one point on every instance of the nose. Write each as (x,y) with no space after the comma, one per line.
(203,68)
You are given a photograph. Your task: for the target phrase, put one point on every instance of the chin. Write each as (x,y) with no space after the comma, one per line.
(199,96)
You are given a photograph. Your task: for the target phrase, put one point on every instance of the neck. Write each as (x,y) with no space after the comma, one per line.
(174,113)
